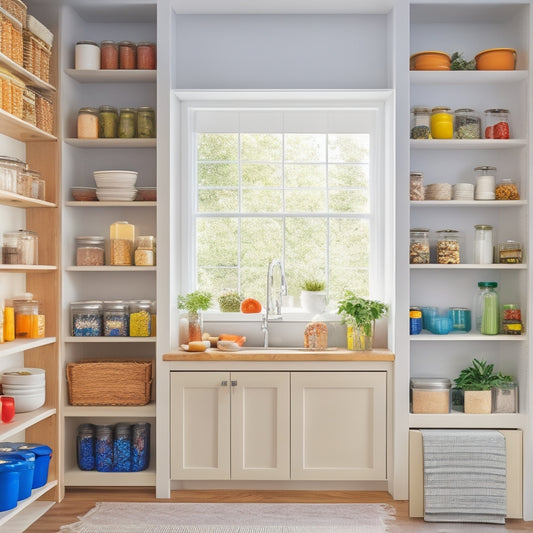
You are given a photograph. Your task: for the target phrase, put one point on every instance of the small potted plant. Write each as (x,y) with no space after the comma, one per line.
(230,301)
(193,303)
(313,296)
(477,381)
(359,315)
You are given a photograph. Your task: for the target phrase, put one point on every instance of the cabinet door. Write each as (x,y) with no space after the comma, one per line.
(338,429)
(260,425)
(200,425)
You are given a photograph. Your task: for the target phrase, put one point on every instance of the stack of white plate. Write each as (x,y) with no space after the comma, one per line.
(463,191)
(438,191)
(26,386)
(115,185)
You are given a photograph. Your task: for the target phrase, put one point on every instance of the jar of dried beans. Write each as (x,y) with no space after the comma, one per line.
(86,318)
(116,318)
(497,124)
(419,246)
(90,251)
(449,246)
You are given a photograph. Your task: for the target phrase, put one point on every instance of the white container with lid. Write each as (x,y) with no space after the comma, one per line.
(87,56)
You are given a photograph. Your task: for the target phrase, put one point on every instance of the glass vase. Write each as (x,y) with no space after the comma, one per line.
(195,327)
(360,338)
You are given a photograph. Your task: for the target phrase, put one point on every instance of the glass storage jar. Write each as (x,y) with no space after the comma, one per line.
(419,246)
(483,250)
(146,56)
(88,123)
(441,123)
(505,398)
(104,448)
(85,441)
(145,122)
(116,318)
(28,247)
(416,186)
(90,251)
(485,183)
(127,55)
(31,178)
(506,189)
(29,319)
(466,124)
(24,183)
(87,56)
(430,395)
(140,318)
(420,123)
(127,123)
(497,124)
(10,248)
(449,246)
(122,239)
(145,251)
(509,252)
(107,122)
(487,308)
(122,447)
(140,436)
(108,55)
(10,168)
(87,318)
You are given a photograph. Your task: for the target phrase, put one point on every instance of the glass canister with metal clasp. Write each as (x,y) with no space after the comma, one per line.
(107,122)
(145,122)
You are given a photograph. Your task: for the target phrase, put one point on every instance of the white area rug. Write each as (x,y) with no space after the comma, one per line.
(109,517)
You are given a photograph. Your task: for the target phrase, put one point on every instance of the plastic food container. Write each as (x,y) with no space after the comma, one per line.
(43,454)
(26,471)
(86,318)
(431,395)
(9,482)
(116,318)
(140,318)
(145,251)
(122,237)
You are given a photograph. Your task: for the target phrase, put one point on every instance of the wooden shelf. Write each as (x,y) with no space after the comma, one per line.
(16,200)
(467,144)
(141,411)
(462,420)
(21,130)
(80,478)
(33,509)
(112,143)
(23,421)
(112,76)
(110,339)
(20,345)
(110,204)
(468,203)
(26,76)
(111,269)
(16,269)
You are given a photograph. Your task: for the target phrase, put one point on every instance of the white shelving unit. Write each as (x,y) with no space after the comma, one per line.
(119,88)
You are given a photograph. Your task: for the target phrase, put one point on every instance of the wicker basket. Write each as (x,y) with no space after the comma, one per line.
(109,382)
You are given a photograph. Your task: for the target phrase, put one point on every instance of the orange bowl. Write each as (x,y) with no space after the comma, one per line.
(496,59)
(430,60)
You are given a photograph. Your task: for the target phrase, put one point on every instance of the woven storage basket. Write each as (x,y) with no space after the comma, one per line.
(109,382)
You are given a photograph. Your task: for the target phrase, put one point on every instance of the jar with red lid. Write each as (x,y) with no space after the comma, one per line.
(127,55)
(108,55)
(497,124)
(146,56)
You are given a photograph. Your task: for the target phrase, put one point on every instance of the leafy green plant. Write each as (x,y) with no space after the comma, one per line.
(479,376)
(195,301)
(313,285)
(360,311)
(459,63)
(230,302)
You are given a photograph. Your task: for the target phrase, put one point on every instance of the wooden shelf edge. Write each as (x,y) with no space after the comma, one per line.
(20,345)
(22,130)
(25,75)
(76,411)
(13,199)
(24,420)
(27,268)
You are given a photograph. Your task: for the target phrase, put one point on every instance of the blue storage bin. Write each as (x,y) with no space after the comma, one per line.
(26,473)
(43,454)
(9,482)
(7,447)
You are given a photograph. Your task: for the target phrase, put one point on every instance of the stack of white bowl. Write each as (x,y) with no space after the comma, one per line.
(115,185)
(26,386)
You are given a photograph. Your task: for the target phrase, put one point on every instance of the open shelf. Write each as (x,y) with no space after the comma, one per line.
(112,76)
(21,130)
(16,200)
(20,345)
(81,478)
(110,339)
(112,143)
(141,411)
(467,144)
(468,266)
(24,75)
(27,268)
(111,204)
(468,203)
(461,420)
(450,337)
(111,269)
(22,421)
(422,77)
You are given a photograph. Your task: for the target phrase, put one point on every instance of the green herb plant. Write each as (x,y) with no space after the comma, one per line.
(459,63)
(230,301)
(360,311)
(313,285)
(479,376)
(195,301)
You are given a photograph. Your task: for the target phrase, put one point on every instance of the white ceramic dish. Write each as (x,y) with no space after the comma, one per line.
(116,195)
(30,388)
(30,402)
(228,346)
(24,376)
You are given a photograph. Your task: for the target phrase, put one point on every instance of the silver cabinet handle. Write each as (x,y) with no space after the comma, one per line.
(233,382)
(224,383)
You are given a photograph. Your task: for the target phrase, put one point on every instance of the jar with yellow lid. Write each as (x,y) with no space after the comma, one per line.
(441,123)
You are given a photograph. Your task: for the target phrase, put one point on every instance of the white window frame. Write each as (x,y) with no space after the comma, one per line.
(382,187)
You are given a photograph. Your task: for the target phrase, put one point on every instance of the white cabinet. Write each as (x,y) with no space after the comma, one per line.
(230,425)
(338,425)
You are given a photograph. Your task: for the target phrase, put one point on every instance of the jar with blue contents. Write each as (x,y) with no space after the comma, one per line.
(104,448)
(122,448)
(415,321)
(140,446)
(86,446)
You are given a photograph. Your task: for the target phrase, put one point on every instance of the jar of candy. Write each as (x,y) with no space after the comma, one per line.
(87,318)
(140,318)
(85,446)
(127,55)
(419,246)
(104,448)
(107,122)
(420,123)
(127,124)
(466,124)
(441,123)
(88,123)
(145,122)
(146,56)
(90,250)
(108,55)
(449,246)
(140,436)
(506,189)
(122,447)
(116,318)
(497,124)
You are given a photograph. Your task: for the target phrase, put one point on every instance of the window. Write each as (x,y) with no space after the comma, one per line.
(300,183)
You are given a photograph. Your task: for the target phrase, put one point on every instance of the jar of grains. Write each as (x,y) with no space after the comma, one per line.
(122,239)
(146,56)
(416,186)
(449,247)
(107,122)
(145,122)
(466,124)
(108,55)
(431,395)
(419,246)
(88,123)
(145,251)
(441,123)
(420,123)
(506,189)
(497,124)
(86,318)
(140,318)
(116,318)
(127,124)
(90,251)
(127,55)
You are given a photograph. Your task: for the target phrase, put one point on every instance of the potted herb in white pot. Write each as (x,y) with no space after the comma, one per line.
(313,296)
(477,381)
(193,303)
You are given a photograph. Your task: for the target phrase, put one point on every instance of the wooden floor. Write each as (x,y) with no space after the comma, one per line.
(78,501)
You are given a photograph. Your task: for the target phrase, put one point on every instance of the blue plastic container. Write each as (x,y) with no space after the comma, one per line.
(9,482)
(26,472)
(43,454)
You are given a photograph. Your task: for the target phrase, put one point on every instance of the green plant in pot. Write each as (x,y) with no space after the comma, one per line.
(193,303)
(359,315)
(230,301)
(313,295)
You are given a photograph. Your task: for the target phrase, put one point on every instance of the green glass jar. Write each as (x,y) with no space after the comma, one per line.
(145,122)
(127,124)
(107,122)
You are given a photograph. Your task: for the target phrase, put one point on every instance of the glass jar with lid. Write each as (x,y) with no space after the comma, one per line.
(449,246)
(485,183)
(506,189)
(497,124)
(141,318)
(146,56)
(466,124)
(107,122)
(127,55)
(24,183)
(86,55)
(419,246)
(28,247)
(85,448)
(145,122)
(416,186)
(487,308)
(420,123)
(116,318)
(122,240)
(90,250)
(86,318)
(10,167)
(108,55)
(88,123)
(122,447)
(29,318)
(441,123)
(10,248)
(483,250)
(127,124)
(31,178)
(509,252)
(145,251)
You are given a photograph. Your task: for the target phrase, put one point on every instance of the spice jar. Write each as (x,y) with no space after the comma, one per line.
(145,251)
(87,56)
(85,449)
(88,123)
(497,124)
(127,124)
(441,123)
(104,448)
(466,124)
(122,239)
(122,447)
(86,318)
(509,252)
(140,318)
(116,318)
(431,395)
(146,56)
(145,122)
(108,55)
(107,122)
(29,319)
(449,247)
(487,308)
(506,189)
(90,251)
(416,186)
(127,55)
(485,183)
(140,436)
(10,248)
(420,123)
(419,246)
(483,251)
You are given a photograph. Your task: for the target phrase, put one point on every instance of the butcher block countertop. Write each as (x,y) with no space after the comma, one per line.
(280,354)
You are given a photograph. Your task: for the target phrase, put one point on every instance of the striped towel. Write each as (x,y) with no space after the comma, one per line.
(464,476)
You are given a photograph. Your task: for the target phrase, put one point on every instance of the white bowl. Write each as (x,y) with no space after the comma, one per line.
(116,195)
(22,375)
(21,389)
(115,179)
(30,402)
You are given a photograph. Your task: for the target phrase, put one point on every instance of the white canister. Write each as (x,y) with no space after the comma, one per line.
(483,252)
(485,183)
(87,56)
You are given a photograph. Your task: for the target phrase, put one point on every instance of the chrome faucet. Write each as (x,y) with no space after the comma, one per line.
(273,306)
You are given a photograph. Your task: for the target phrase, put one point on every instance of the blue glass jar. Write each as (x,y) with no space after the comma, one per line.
(122,448)
(104,448)
(86,446)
